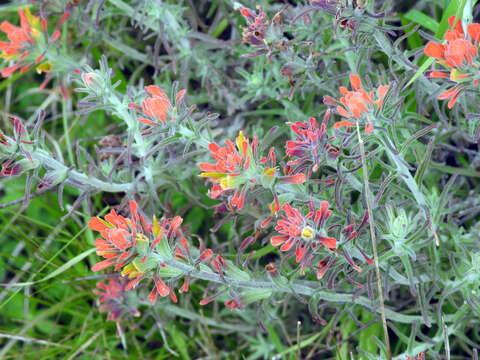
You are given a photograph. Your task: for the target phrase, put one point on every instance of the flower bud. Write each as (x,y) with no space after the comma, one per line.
(52,178)
(93,82)
(271,269)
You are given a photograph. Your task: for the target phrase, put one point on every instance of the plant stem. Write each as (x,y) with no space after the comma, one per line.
(66,131)
(374,241)
(299,287)
(47,160)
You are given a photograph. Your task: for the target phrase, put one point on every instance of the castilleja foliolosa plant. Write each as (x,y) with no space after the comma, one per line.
(273,180)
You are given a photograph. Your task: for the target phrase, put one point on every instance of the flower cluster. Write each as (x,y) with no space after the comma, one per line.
(118,235)
(309,234)
(311,146)
(140,249)
(156,106)
(262,33)
(459,55)
(238,168)
(306,233)
(28,43)
(254,34)
(111,296)
(358,105)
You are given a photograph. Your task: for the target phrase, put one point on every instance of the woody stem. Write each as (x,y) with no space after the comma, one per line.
(373,237)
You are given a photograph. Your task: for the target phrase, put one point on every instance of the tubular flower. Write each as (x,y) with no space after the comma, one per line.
(111,297)
(307,232)
(141,250)
(459,55)
(262,33)
(310,147)
(148,265)
(27,44)
(237,168)
(156,107)
(358,105)
(254,33)
(117,237)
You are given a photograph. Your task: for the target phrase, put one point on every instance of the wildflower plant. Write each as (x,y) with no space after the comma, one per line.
(253,179)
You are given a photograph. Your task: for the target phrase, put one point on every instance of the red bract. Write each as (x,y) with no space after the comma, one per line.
(459,54)
(117,238)
(111,296)
(310,147)
(358,105)
(11,168)
(20,37)
(159,288)
(157,106)
(231,162)
(237,168)
(25,45)
(140,249)
(254,33)
(309,234)
(233,304)
(306,233)
(120,236)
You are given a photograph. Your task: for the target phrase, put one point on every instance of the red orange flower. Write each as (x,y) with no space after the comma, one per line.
(237,168)
(111,296)
(141,249)
(254,34)
(24,46)
(117,238)
(310,147)
(21,40)
(309,234)
(157,106)
(231,162)
(459,54)
(358,105)
(306,233)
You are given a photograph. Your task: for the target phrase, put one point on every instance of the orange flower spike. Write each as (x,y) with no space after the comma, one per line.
(459,54)
(357,102)
(473,31)
(457,29)
(343,123)
(356,82)
(156,106)
(21,41)
(434,50)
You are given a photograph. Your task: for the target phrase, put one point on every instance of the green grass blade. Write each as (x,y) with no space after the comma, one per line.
(422,19)
(60,270)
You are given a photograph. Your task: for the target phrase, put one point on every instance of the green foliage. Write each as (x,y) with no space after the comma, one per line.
(82,151)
